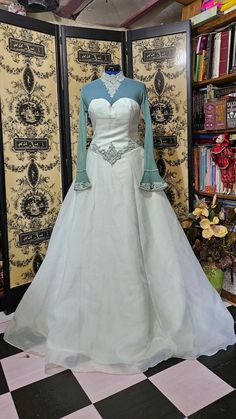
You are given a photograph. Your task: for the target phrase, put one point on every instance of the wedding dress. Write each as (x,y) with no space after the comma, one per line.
(120,288)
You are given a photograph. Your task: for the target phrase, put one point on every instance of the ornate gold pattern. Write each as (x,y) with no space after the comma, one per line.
(81,72)
(160,63)
(31,144)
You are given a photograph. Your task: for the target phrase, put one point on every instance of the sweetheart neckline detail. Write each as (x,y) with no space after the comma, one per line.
(111,104)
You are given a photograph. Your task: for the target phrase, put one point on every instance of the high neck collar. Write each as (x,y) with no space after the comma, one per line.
(112,82)
(113,77)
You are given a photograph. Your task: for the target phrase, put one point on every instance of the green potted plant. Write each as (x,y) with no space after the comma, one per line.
(213,239)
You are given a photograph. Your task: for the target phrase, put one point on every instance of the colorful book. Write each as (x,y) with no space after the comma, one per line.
(231,113)
(210,3)
(232,51)
(209,55)
(228,5)
(197,67)
(224,53)
(231,9)
(216,55)
(202,66)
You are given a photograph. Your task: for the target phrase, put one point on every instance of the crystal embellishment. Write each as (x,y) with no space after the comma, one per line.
(111,154)
(112,82)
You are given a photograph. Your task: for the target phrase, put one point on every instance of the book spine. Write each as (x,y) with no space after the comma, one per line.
(209,56)
(232,49)
(200,74)
(210,115)
(228,54)
(197,65)
(211,4)
(231,113)
(195,165)
(216,55)
(220,114)
(231,9)
(223,62)
(228,5)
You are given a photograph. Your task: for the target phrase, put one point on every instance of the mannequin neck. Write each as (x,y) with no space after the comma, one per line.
(112,69)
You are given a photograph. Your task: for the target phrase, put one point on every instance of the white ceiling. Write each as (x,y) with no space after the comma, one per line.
(112,13)
(115,12)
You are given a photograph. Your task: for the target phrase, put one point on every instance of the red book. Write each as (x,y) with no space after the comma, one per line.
(224,51)
(215,115)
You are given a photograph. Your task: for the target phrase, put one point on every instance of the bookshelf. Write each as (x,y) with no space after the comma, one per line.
(216,131)
(202,137)
(209,84)
(219,195)
(217,81)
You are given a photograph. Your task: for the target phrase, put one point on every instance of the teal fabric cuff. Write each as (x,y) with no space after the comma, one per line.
(82,181)
(152,181)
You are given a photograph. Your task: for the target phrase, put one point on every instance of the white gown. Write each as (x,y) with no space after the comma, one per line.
(120,288)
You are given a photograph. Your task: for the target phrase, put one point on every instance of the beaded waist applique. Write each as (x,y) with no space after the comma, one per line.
(112,154)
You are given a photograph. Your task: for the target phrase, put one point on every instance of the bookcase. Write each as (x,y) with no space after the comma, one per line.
(214,102)
(217,87)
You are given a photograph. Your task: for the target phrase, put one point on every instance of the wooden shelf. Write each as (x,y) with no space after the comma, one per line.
(216,23)
(219,195)
(217,81)
(216,131)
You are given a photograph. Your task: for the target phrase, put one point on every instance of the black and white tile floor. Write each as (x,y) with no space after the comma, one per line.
(174,389)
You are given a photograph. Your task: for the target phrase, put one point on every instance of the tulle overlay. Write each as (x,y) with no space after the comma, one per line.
(119,289)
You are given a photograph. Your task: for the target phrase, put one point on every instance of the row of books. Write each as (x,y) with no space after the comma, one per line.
(220,114)
(214,108)
(223,5)
(214,54)
(207,176)
(209,138)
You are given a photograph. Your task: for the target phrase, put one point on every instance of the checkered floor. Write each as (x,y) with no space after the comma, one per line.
(203,388)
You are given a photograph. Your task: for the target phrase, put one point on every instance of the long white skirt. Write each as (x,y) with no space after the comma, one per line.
(120,288)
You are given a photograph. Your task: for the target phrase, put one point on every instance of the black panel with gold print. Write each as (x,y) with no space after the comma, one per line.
(31,162)
(159,58)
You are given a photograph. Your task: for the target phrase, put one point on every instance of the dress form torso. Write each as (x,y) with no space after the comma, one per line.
(113,104)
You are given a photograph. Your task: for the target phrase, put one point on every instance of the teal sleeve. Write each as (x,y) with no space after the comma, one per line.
(151,179)
(82,181)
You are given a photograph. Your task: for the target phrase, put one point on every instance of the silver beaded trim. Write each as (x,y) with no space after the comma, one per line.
(80,186)
(155,186)
(111,154)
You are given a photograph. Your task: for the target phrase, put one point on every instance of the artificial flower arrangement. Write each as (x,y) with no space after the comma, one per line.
(212,238)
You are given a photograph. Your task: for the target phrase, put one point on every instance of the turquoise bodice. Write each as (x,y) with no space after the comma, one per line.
(113,104)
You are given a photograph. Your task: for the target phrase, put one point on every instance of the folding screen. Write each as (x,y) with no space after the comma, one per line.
(31,150)
(42,68)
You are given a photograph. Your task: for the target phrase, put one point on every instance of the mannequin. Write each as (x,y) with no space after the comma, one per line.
(112,87)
